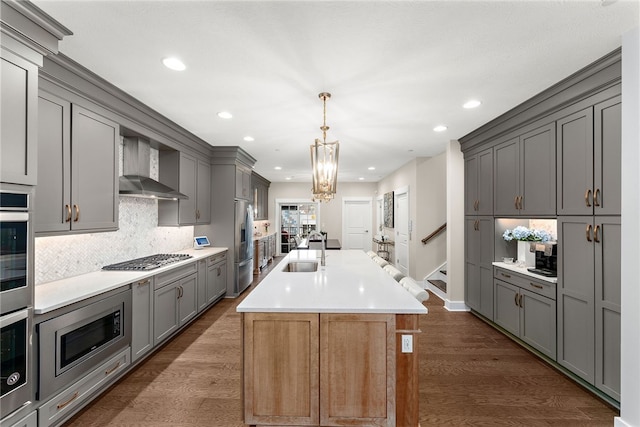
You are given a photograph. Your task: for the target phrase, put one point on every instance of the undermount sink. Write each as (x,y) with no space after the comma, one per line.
(301,267)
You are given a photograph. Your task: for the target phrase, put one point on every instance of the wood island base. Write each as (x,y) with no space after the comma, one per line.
(326,369)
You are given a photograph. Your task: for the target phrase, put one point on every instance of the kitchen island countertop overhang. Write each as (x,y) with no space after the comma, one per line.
(349,283)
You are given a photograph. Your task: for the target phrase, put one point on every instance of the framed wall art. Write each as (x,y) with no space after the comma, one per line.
(388,209)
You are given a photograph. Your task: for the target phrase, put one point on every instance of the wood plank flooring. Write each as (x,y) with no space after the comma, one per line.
(470,375)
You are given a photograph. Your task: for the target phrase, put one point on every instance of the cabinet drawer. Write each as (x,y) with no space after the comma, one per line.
(213,259)
(66,403)
(171,276)
(540,287)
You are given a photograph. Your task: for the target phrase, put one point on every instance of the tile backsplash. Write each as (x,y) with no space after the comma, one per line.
(58,257)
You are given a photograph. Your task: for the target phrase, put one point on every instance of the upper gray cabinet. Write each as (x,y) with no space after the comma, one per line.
(243,183)
(192,177)
(260,192)
(77,169)
(478,183)
(589,158)
(525,174)
(18,110)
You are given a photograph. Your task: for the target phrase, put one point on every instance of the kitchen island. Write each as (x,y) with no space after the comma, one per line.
(335,346)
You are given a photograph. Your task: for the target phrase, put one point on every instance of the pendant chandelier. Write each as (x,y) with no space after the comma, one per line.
(324,160)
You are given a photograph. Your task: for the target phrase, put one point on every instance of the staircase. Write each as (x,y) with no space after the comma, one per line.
(438,279)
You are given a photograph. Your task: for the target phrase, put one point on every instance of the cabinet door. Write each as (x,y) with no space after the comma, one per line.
(506,309)
(485,257)
(188,298)
(94,171)
(357,353)
(188,175)
(471,185)
(203,198)
(243,183)
(165,312)
(215,281)
(142,318)
(19,113)
(203,284)
(506,177)
(472,264)
(607,157)
(53,204)
(575,163)
(576,311)
(607,244)
(538,171)
(485,183)
(281,368)
(538,322)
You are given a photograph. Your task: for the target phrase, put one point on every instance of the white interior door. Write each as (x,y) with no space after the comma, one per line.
(356,223)
(401,222)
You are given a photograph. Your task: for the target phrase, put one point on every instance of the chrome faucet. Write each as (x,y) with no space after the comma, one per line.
(322,243)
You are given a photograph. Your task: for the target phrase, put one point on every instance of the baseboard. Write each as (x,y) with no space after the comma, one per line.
(448,305)
(619,422)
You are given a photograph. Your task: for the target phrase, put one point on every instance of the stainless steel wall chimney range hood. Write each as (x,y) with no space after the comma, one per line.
(135,181)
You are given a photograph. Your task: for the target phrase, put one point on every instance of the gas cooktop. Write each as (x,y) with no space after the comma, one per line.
(148,262)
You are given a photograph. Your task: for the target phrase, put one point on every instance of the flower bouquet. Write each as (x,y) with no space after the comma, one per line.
(525,236)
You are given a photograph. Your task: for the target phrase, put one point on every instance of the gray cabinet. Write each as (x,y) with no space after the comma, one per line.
(243,183)
(212,279)
(526,308)
(142,318)
(192,177)
(19,112)
(77,168)
(260,192)
(479,239)
(589,299)
(174,301)
(30,420)
(525,174)
(478,183)
(589,159)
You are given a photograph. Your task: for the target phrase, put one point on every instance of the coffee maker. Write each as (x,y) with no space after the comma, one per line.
(546,259)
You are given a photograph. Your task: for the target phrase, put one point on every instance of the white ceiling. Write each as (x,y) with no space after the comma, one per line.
(395,69)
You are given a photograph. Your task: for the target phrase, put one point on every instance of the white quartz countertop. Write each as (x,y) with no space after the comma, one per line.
(524,271)
(351,282)
(53,295)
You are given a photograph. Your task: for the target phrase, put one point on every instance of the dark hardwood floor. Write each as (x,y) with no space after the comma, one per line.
(470,375)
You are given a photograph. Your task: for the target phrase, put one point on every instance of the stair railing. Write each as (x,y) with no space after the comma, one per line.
(435,233)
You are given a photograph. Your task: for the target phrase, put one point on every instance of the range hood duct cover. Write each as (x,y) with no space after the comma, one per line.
(135,181)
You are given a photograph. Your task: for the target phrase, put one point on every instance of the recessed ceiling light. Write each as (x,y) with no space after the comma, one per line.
(225,115)
(174,63)
(361,178)
(288,178)
(371,168)
(278,168)
(248,138)
(472,103)
(440,128)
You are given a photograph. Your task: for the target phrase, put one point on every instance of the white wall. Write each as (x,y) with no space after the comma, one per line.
(630,336)
(455,226)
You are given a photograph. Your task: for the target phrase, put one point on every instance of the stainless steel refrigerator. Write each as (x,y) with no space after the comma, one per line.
(243,257)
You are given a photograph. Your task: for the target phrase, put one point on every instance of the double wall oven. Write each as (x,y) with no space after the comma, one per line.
(16,298)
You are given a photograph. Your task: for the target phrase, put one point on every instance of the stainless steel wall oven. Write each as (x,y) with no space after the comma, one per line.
(74,343)
(15,330)
(15,288)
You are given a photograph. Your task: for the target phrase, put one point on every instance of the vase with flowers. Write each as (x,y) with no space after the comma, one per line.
(525,237)
(266,227)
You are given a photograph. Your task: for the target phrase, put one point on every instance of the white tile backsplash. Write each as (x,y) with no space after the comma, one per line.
(58,257)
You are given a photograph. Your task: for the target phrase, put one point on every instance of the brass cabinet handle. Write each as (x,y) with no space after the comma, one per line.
(596,231)
(508,276)
(77,209)
(536,285)
(587,198)
(520,301)
(197,213)
(589,233)
(515,202)
(596,197)
(68,207)
(62,405)
(515,299)
(520,203)
(109,371)
(143,282)
(219,271)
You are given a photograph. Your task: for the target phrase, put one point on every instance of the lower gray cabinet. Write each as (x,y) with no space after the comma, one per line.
(478,265)
(589,299)
(30,420)
(212,279)
(174,303)
(142,318)
(526,314)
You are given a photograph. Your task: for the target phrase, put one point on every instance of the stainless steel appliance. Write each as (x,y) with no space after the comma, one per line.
(15,349)
(546,260)
(15,289)
(243,257)
(150,262)
(74,343)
